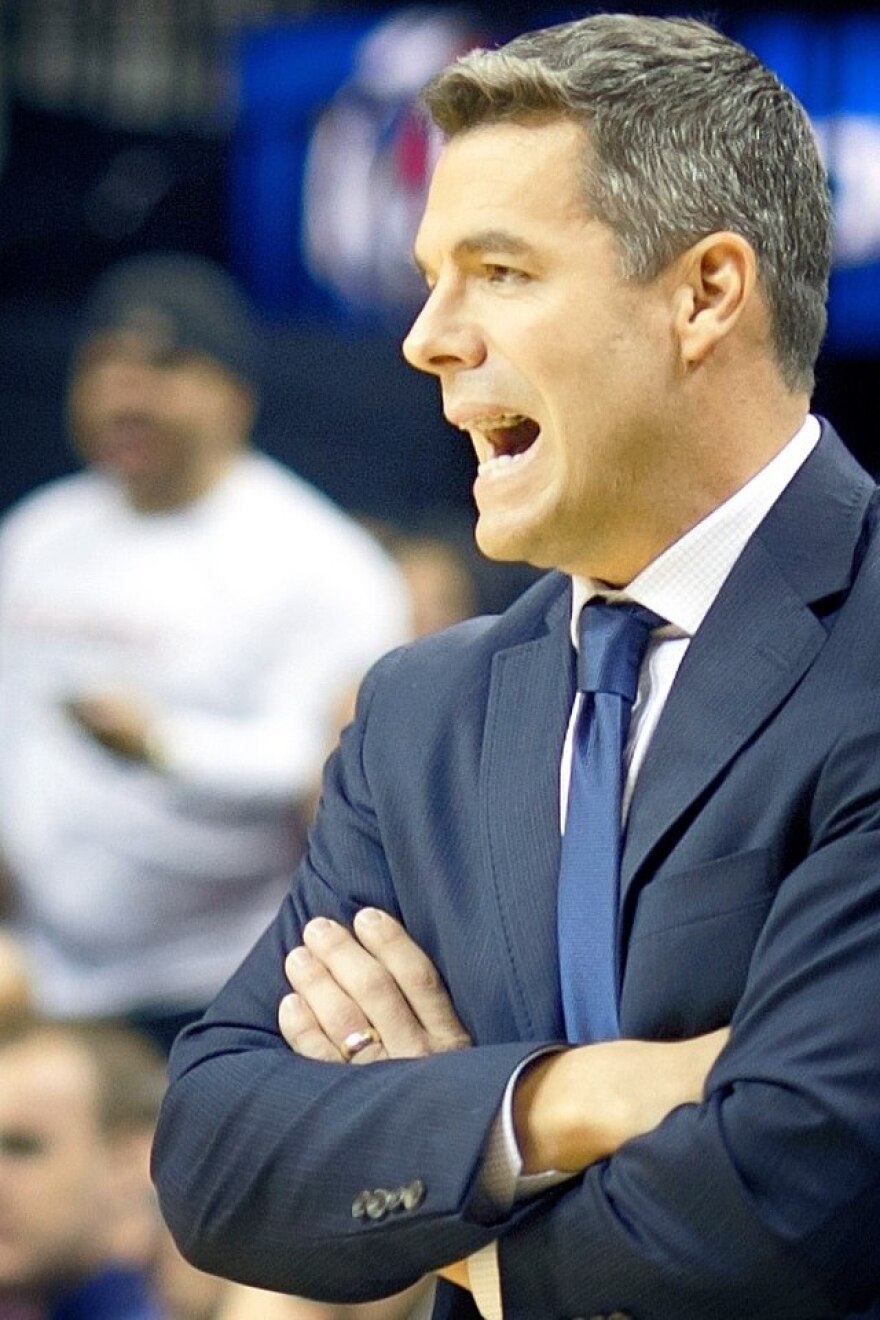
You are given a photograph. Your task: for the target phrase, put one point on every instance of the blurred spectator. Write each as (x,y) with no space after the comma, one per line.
(440,587)
(80,1234)
(73,1221)
(15,985)
(252,1304)
(186,1293)
(437,571)
(447,580)
(175,624)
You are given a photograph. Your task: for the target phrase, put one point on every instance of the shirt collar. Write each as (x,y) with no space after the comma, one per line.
(682,582)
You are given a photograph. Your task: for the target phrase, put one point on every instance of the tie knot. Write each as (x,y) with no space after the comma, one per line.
(613,639)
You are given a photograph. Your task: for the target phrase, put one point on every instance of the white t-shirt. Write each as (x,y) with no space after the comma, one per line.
(238,620)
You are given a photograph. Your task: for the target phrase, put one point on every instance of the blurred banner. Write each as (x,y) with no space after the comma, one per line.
(833,65)
(329,159)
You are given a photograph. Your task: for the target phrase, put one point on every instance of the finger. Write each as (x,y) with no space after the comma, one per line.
(415,974)
(366,983)
(336,1014)
(80,712)
(302,1031)
(713,1043)
(456,1273)
(116,723)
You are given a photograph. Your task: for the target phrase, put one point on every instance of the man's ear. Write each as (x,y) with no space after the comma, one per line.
(717,279)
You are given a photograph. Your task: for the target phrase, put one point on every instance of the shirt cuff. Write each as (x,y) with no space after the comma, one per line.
(502,1182)
(485,1281)
(500,1185)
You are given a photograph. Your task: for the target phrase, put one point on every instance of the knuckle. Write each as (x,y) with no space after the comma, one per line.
(393,936)
(369,1054)
(448,1044)
(290,1012)
(347,1023)
(420,1050)
(301,968)
(370,981)
(321,935)
(321,1051)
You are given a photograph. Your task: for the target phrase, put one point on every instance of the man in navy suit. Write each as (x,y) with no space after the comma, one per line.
(626,246)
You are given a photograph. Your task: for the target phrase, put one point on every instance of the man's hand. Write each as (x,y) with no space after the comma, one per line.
(375,985)
(578,1106)
(118,723)
(375,981)
(375,995)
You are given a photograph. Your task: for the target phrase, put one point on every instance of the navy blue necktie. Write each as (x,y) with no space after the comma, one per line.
(613,639)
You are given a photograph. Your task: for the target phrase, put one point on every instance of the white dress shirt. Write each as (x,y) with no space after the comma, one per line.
(237,621)
(680,585)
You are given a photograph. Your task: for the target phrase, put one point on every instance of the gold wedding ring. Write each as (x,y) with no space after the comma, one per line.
(356,1041)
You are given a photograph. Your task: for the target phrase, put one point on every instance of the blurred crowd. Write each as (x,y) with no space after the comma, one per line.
(184,621)
(183,626)
(80,1234)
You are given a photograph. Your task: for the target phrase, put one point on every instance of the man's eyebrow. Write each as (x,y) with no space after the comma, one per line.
(487,240)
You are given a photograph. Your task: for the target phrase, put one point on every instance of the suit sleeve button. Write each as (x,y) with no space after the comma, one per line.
(359,1205)
(377,1204)
(413,1194)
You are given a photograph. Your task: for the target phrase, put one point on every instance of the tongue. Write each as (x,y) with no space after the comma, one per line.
(517,439)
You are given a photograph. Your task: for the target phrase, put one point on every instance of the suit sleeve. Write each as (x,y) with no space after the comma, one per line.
(261,1157)
(761,1202)
(764,1200)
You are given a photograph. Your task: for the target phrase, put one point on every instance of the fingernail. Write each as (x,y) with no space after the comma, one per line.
(317,928)
(300,956)
(369,916)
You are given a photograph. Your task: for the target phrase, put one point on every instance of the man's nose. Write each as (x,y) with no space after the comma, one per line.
(442,338)
(125,386)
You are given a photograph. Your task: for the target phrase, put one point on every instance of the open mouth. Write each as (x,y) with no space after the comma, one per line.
(123,441)
(508,438)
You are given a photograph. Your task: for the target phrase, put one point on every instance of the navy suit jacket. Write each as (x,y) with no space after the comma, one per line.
(750,894)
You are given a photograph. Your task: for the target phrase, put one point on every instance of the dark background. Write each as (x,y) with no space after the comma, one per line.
(86,179)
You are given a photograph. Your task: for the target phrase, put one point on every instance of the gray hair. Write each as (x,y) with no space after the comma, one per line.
(689,134)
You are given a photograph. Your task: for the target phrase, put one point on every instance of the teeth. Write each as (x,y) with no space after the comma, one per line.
(495,423)
(499,461)
(504,421)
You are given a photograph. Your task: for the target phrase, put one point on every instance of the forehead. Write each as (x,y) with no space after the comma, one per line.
(46,1083)
(519,181)
(124,348)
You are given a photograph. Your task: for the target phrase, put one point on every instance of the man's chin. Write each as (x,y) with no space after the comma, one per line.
(504,545)
(124,454)
(129,470)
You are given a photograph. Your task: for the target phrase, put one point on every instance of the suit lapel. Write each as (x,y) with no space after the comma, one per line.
(529,703)
(738,669)
(755,643)
(759,638)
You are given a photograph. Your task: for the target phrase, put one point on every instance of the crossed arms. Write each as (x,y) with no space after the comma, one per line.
(570,1107)
(755,1195)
